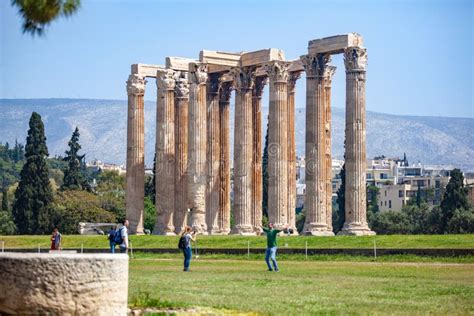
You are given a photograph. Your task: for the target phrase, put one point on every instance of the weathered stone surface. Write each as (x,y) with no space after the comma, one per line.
(135,153)
(197,139)
(334,44)
(278,144)
(165,153)
(179,63)
(63,284)
(217,58)
(260,57)
(144,70)
(355,60)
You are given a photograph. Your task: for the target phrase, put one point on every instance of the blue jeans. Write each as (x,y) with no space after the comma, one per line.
(188,253)
(112,247)
(271,254)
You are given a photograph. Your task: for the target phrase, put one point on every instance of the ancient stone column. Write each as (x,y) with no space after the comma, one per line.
(355,60)
(225,91)
(315,152)
(293,77)
(330,70)
(278,144)
(244,81)
(165,153)
(213,154)
(257,189)
(135,191)
(181,104)
(197,146)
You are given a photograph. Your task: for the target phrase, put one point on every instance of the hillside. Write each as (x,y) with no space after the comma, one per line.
(102,124)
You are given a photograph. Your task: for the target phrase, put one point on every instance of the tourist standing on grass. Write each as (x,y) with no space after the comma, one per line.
(123,231)
(185,245)
(270,253)
(56,239)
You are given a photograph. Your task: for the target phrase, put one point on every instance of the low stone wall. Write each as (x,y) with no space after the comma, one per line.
(63,284)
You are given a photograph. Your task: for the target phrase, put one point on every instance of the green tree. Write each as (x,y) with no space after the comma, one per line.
(149,217)
(391,222)
(111,191)
(372,199)
(31,210)
(5,207)
(265,177)
(340,216)
(455,197)
(38,14)
(7,226)
(150,190)
(462,222)
(73,177)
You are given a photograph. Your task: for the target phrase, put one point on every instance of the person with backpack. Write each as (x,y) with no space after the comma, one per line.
(185,245)
(56,239)
(121,237)
(270,253)
(111,238)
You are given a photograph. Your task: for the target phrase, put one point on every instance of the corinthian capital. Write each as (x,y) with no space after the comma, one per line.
(292,78)
(182,86)
(244,78)
(260,83)
(165,79)
(277,71)
(136,85)
(225,91)
(355,58)
(315,65)
(197,73)
(329,73)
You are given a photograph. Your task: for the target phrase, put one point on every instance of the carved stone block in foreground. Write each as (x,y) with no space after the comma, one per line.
(63,284)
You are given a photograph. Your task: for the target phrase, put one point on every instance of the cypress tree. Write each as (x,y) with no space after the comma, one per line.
(265,176)
(455,197)
(31,210)
(73,178)
(341,201)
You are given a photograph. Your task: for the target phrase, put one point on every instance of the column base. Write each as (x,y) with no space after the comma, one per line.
(355,230)
(243,231)
(317,229)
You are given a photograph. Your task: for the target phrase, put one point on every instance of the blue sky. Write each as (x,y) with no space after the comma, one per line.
(420,52)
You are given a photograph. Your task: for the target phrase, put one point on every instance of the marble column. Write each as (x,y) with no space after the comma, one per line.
(293,77)
(213,154)
(197,146)
(244,81)
(135,177)
(278,144)
(327,129)
(181,103)
(225,92)
(355,60)
(165,153)
(315,151)
(256,187)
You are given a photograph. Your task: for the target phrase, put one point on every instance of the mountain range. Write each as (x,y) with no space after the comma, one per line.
(102,124)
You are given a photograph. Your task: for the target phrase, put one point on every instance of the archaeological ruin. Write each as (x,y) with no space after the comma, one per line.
(193,163)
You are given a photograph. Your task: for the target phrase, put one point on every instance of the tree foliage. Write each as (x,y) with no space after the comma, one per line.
(31,210)
(455,197)
(38,14)
(73,177)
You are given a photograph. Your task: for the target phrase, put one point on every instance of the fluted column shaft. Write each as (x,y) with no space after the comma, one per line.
(328,142)
(225,91)
(135,177)
(355,60)
(278,144)
(315,177)
(197,146)
(243,145)
(257,189)
(181,152)
(293,77)
(213,155)
(165,153)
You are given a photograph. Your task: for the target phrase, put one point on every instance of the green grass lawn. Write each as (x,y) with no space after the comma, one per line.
(303,287)
(382,241)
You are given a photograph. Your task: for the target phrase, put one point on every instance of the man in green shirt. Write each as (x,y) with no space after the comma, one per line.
(270,253)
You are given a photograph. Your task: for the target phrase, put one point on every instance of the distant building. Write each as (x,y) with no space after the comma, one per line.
(98,165)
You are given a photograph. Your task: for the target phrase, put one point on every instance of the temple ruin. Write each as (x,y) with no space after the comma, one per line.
(193,166)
